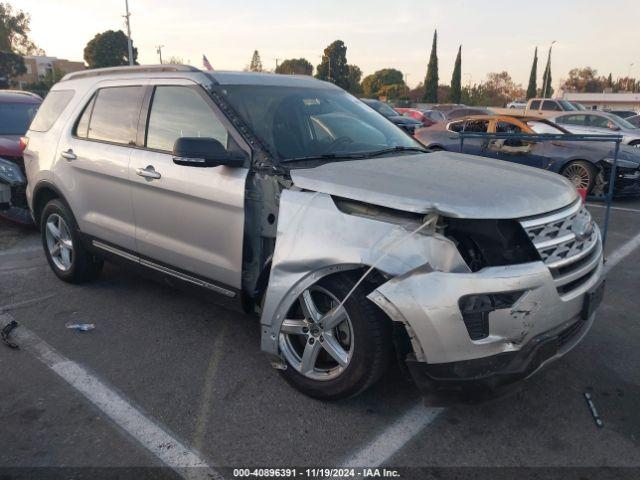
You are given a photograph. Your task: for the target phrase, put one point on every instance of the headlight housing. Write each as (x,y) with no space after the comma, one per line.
(10,173)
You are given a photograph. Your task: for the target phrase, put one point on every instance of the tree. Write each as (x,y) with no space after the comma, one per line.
(379,84)
(532,88)
(584,80)
(610,81)
(11,66)
(456,79)
(295,66)
(333,66)
(108,49)
(431,80)
(547,89)
(497,90)
(256,64)
(174,60)
(14,32)
(354,77)
(42,86)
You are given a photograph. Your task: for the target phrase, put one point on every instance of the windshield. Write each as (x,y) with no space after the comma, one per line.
(383,109)
(619,121)
(303,122)
(15,118)
(566,105)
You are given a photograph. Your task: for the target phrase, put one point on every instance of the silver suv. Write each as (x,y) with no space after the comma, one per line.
(289,198)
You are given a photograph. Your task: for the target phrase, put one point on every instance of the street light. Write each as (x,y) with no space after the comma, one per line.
(159,52)
(129,44)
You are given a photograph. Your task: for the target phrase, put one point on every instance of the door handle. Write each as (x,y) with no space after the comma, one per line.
(148,172)
(68,155)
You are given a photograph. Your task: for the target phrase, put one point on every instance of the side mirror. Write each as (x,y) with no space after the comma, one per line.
(203,152)
(613,126)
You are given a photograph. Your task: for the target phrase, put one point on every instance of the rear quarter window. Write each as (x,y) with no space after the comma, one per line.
(53,105)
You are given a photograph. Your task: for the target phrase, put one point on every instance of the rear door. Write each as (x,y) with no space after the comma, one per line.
(514,149)
(94,167)
(188,219)
(476,146)
(574,123)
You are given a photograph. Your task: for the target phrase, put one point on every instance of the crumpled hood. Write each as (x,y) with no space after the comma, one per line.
(453,184)
(10,146)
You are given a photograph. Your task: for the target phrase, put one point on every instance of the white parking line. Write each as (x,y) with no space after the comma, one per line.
(621,253)
(622,209)
(394,437)
(163,445)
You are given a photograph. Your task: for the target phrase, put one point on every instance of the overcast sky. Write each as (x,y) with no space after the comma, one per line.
(495,35)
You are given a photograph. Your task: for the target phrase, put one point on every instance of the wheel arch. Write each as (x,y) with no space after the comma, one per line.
(43,193)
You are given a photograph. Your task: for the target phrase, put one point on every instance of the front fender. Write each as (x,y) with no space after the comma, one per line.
(316,239)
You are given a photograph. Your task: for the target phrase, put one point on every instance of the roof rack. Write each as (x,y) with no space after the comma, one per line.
(134,69)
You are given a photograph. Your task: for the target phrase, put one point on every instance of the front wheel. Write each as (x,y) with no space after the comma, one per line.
(582,174)
(67,257)
(333,353)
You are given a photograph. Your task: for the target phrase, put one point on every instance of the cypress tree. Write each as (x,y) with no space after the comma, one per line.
(431,80)
(532,89)
(456,79)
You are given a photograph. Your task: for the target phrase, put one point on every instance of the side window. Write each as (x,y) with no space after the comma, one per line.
(82,127)
(178,111)
(506,127)
(477,126)
(598,122)
(51,109)
(535,105)
(578,120)
(456,126)
(550,105)
(115,115)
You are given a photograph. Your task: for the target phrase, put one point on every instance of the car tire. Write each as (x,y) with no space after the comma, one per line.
(364,334)
(67,256)
(581,173)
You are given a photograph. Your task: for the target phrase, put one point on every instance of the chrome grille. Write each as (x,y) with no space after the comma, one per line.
(568,242)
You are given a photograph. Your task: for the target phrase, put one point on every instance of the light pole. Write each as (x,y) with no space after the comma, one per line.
(129,44)
(159,52)
(277,60)
(547,71)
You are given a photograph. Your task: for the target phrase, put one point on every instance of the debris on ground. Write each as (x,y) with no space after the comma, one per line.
(81,327)
(594,412)
(6,331)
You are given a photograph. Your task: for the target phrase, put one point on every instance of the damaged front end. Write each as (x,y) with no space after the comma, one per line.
(13,184)
(483,302)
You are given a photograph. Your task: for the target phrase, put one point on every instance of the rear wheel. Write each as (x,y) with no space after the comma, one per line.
(67,257)
(582,174)
(332,352)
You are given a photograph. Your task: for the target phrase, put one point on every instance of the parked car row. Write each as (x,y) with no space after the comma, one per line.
(585,164)
(290,199)
(17,109)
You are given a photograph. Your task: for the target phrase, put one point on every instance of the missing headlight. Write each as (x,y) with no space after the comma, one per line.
(490,243)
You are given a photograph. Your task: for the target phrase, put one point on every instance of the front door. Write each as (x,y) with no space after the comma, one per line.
(516,150)
(188,219)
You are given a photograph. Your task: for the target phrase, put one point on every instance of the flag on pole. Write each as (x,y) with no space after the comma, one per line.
(206,63)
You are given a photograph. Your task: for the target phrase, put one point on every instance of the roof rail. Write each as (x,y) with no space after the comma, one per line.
(96,72)
(21,92)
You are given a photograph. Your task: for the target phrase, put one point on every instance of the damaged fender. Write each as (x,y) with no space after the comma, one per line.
(315,239)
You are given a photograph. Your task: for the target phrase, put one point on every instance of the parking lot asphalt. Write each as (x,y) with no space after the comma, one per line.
(195,370)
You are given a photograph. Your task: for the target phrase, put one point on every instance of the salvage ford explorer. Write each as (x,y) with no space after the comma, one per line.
(291,199)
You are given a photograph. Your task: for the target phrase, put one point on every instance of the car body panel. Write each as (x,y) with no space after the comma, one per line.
(429,182)
(629,135)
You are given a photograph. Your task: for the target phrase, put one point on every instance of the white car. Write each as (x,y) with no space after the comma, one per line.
(517,104)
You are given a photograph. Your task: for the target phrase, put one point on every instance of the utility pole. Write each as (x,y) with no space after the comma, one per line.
(126,2)
(547,70)
(277,60)
(159,52)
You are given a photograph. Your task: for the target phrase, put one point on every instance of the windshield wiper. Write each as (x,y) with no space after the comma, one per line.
(326,156)
(394,150)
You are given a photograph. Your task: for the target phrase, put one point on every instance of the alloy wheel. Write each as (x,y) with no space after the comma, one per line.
(579,175)
(316,338)
(59,242)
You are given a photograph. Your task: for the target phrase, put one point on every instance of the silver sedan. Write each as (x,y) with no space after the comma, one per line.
(599,123)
